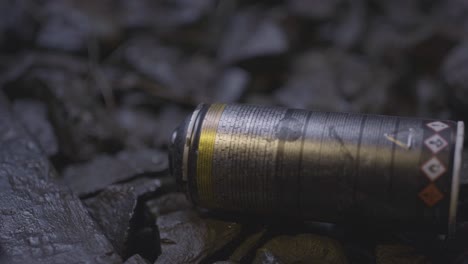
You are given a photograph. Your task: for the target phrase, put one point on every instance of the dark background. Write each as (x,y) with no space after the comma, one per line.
(99,78)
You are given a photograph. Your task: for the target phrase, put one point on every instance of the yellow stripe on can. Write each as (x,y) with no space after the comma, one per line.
(205,156)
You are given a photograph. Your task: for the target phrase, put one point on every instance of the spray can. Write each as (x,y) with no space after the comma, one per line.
(321,166)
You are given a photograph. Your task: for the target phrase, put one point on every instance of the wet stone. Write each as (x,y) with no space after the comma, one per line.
(304,248)
(136,259)
(252,34)
(335,81)
(33,115)
(451,17)
(230,86)
(112,209)
(247,246)
(162,15)
(432,101)
(71,25)
(168,203)
(128,118)
(154,60)
(80,121)
(146,122)
(168,119)
(148,186)
(42,222)
(186,78)
(389,254)
(117,211)
(206,236)
(196,75)
(315,9)
(389,42)
(17,24)
(104,170)
(345,31)
(454,72)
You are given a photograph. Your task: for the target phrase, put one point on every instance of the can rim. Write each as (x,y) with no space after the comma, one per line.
(456,178)
(188,141)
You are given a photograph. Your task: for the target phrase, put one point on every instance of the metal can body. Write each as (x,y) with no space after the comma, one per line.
(321,166)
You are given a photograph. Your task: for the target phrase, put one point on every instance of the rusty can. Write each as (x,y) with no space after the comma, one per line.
(321,166)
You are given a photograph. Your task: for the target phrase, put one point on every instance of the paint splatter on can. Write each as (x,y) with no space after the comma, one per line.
(321,166)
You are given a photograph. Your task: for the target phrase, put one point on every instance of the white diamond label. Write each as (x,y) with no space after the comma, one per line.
(436,143)
(433,169)
(437,126)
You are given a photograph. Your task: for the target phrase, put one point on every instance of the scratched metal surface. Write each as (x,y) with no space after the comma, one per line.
(286,161)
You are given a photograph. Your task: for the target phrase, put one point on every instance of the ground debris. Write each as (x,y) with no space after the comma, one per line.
(206,236)
(95,175)
(80,121)
(331,80)
(41,221)
(248,245)
(72,25)
(168,203)
(304,248)
(33,115)
(454,72)
(250,34)
(117,211)
(112,209)
(136,259)
(161,15)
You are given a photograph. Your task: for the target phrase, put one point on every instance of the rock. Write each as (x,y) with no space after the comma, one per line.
(146,187)
(119,212)
(154,60)
(252,34)
(112,209)
(71,25)
(168,203)
(197,74)
(454,73)
(161,15)
(104,170)
(80,121)
(389,42)
(230,86)
(139,126)
(41,221)
(304,248)
(248,245)
(389,254)
(168,119)
(450,17)
(333,81)
(136,259)
(315,9)
(188,238)
(432,101)
(17,25)
(33,115)
(190,79)
(346,30)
